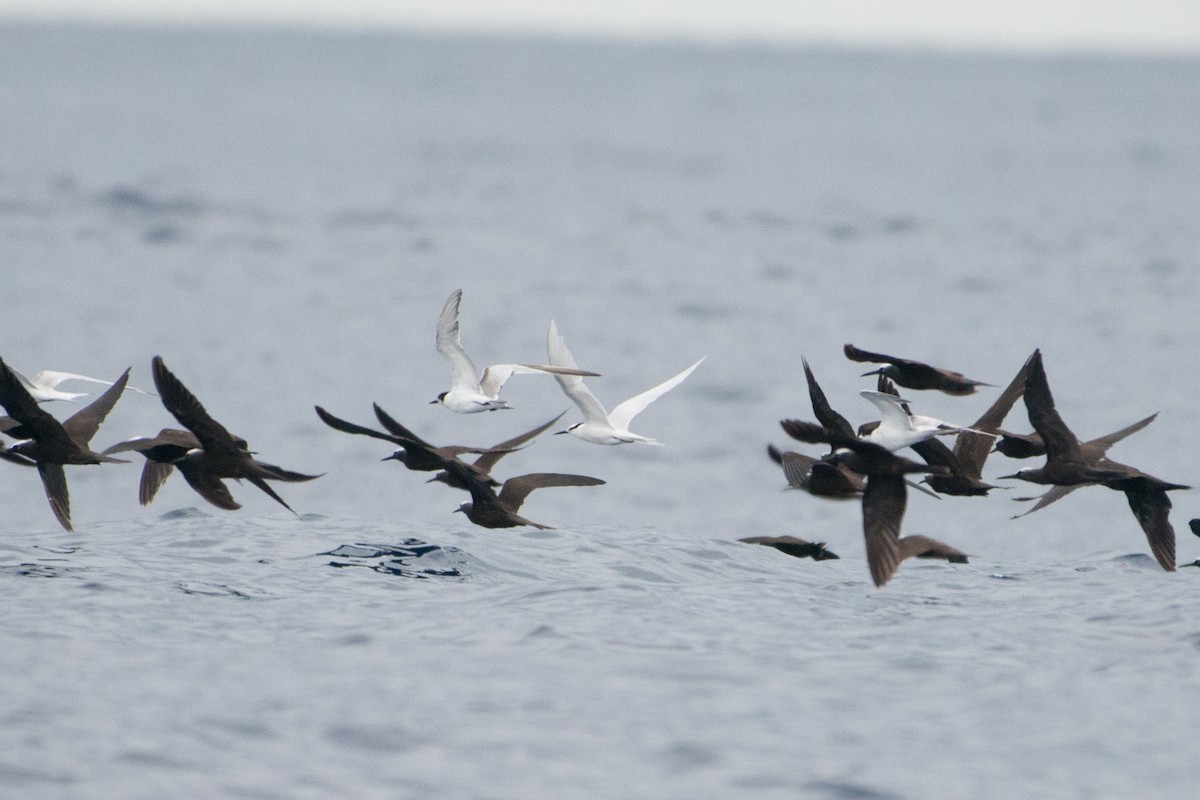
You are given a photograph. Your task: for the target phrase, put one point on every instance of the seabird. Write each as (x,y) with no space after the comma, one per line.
(898,428)
(1093,453)
(1030,445)
(830,419)
(794,546)
(471,392)
(43,386)
(884,498)
(1065,466)
(487,461)
(413,451)
(52,444)
(169,448)
(972,446)
(488,509)
(600,426)
(220,455)
(817,477)
(914,374)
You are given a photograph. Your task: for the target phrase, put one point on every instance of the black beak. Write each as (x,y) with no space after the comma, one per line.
(872,372)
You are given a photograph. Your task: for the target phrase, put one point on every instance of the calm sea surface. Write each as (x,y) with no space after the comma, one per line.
(280,215)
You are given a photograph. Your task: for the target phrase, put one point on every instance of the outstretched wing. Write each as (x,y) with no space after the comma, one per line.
(515,490)
(624,413)
(82,425)
(450,346)
(184,406)
(572,385)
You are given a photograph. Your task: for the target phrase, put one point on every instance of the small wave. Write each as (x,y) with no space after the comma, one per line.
(412,558)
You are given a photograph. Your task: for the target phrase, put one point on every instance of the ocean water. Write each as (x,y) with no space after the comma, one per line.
(280,215)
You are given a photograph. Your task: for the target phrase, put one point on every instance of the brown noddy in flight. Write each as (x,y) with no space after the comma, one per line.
(220,455)
(917,546)
(488,509)
(487,461)
(914,374)
(794,546)
(52,444)
(413,451)
(168,449)
(1066,466)
(884,498)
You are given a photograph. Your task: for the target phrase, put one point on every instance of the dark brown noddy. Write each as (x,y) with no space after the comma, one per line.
(220,455)
(168,449)
(413,451)
(915,374)
(884,498)
(487,461)
(52,444)
(794,546)
(1065,466)
(817,477)
(491,510)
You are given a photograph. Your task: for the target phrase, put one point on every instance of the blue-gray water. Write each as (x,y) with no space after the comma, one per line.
(281,215)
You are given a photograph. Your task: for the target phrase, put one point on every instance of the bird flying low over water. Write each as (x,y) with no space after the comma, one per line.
(1066,466)
(51,444)
(413,451)
(600,426)
(470,391)
(914,374)
(220,454)
(491,510)
(794,546)
(1093,452)
(884,498)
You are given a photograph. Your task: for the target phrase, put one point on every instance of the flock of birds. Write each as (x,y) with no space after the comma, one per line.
(861,463)
(865,463)
(207,454)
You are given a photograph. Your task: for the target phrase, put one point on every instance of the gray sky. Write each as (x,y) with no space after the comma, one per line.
(1139,25)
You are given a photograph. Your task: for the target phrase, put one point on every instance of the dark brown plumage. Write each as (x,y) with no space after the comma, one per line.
(487,460)
(53,444)
(413,451)
(915,374)
(491,510)
(1067,466)
(220,455)
(794,546)
(917,546)
(884,497)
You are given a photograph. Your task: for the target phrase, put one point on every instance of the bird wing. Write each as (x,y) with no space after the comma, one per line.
(624,413)
(1096,448)
(154,475)
(926,547)
(1061,444)
(402,433)
(883,510)
(208,486)
(572,385)
(1152,507)
(25,410)
(821,408)
(972,448)
(184,406)
(487,462)
(272,472)
(83,424)
(339,424)
(1053,494)
(891,409)
(515,490)
(54,479)
(449,345)
(855,354)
